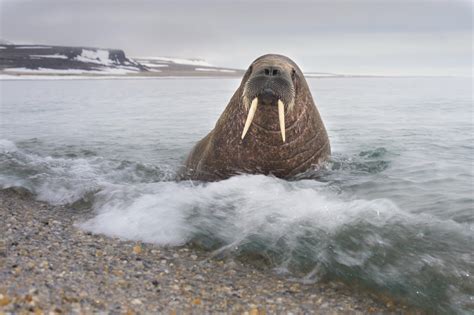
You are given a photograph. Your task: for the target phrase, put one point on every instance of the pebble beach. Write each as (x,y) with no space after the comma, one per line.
(49,266)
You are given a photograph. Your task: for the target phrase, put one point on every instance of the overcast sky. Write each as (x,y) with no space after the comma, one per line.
(360,37)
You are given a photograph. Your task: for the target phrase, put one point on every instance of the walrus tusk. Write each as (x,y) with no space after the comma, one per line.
(281,116)
(253,109)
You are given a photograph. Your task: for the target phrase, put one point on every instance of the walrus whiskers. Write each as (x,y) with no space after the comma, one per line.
(253,109)
(281,116)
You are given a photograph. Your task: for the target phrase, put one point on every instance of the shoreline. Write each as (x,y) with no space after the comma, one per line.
(14,76)
(47,265)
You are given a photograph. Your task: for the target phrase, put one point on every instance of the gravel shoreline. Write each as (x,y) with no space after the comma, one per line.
(47,265)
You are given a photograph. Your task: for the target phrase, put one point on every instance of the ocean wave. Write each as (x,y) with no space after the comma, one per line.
(299,227)
(65,180)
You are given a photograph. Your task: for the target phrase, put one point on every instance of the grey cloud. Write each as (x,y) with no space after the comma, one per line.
(324,35)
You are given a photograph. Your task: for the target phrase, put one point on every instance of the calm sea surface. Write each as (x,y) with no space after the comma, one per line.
(392,211)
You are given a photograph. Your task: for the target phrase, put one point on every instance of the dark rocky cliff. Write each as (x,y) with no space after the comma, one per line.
(65,58)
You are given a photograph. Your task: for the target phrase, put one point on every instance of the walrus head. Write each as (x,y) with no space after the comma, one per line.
(270,81)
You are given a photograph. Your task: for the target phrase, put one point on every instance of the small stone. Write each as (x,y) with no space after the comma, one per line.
(137,249)
(194,257)
(4,300)
(136,302)
(253,311)
(295,288)
(197,301)
(30,265)
(33,291)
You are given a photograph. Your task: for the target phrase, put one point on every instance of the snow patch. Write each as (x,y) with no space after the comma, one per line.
(55,56)
(99,56)
(70,71)
(180,61)
(154,65)
(33,47)
(215,70)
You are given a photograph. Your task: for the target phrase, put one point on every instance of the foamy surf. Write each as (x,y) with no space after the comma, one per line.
(171,213)
(302,227)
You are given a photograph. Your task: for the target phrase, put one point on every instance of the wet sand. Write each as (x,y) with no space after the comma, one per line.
(49,265)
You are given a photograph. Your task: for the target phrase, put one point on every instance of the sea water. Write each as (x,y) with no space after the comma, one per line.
(392,211)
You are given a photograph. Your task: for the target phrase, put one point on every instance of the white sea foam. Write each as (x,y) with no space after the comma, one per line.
(7,146)
(60,180)
(170,213)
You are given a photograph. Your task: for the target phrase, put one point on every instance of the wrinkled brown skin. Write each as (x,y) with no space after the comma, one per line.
(222,153)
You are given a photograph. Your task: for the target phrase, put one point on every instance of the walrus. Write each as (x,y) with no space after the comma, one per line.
(271,126)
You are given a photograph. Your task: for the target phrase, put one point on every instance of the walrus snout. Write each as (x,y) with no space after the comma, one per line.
(268,97)
(268,84)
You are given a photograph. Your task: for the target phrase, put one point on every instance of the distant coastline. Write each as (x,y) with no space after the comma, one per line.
(46,61)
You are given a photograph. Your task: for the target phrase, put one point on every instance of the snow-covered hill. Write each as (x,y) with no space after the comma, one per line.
(60,60)
(42,59)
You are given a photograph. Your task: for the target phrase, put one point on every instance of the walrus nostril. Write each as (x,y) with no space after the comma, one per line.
(272,71)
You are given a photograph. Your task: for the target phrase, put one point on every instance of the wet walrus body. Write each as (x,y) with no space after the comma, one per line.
(270,126)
